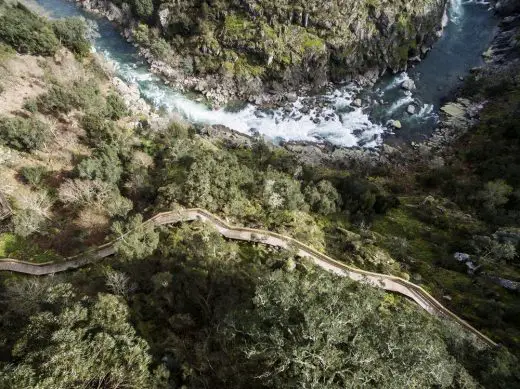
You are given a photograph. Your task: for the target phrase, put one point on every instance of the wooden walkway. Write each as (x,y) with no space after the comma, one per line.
(386,282)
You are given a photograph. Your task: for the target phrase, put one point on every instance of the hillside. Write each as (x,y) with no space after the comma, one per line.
(239,49)
(177,305)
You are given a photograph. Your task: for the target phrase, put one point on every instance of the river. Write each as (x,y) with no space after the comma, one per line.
(332,118)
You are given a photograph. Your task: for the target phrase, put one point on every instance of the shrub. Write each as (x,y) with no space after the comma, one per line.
(323,198)
(56,100)
(23,134)
(160,48)
(143,8)
(26,32)
(6,51)
(34,175)
(31,105)
(83,94)
(115,107)
(104,165)
(72,34)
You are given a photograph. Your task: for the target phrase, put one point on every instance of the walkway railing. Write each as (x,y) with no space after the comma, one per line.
(384,281)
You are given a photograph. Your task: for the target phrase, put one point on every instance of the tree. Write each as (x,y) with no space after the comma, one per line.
(280,192)
(103,165)
(116,107)
(143,8)
(26,32)
(492,250)
(135,239)
(323,331)
(118,283)
(72,34)
(33,210)
(94,193)
(82,344)
(323,198)
(495,194)
(214,182)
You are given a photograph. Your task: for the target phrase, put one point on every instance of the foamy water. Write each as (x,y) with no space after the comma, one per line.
(330,117)
(456,11)
(338,122)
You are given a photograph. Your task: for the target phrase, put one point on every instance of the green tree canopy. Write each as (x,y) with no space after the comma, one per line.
(82,344)
(136,240)
(322,331)
(72,34)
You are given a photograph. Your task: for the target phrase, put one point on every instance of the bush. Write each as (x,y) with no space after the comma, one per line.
(116,107)
(34,175)
(26,32)
(102,132)
(160,48)
(143,8)
(72,34)
(23,134)
(63,99)
(104,165)
(56,100)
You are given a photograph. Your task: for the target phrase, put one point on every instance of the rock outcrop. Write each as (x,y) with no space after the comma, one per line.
(243,49)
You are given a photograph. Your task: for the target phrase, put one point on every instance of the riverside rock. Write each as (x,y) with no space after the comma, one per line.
(408,84)
(243,47)
(396,124)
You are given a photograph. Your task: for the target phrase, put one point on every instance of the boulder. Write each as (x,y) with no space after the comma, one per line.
(357,103)
(396,124)
(164,17)
(114,13)
(291,97)
(408,84)
(411,109)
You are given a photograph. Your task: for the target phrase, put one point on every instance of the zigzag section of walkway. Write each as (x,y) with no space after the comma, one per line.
(386,282)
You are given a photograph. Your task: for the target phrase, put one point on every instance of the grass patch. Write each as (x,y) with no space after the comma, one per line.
(16,247)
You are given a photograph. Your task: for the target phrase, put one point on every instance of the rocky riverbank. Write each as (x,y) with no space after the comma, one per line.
(257,53)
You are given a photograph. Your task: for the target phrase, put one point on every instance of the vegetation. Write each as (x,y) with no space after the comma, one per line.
(181,307)
(23,134)
(27,32)
(71,33)
(261,42)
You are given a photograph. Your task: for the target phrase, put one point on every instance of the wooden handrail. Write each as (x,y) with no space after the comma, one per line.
(384,281)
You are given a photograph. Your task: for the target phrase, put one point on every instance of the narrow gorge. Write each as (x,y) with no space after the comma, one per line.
(358,113)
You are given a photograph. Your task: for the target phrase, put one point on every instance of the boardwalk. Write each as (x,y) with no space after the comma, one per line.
(384,281)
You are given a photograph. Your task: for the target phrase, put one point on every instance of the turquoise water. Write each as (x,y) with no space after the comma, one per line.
(467,34)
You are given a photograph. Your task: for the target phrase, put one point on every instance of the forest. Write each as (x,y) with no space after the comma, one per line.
(181,307)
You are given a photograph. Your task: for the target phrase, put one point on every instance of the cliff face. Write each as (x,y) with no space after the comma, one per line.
(247,46)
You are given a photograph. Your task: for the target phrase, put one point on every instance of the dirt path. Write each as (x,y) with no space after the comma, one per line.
(386,282)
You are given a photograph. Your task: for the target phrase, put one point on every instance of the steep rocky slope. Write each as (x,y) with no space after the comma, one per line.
(240,48)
